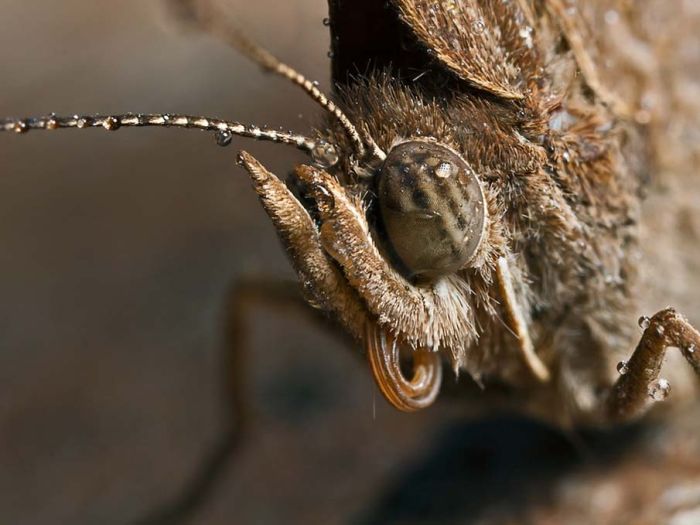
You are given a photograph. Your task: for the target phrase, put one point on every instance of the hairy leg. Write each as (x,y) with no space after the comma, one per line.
(324,287)
(640,384)
(241,300)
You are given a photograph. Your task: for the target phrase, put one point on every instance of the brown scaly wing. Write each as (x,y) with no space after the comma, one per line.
(488,44)
(499,47)
(481,44)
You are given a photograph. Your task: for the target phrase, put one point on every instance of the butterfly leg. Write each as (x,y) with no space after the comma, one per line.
(241,300)
(639,384)
(323,286)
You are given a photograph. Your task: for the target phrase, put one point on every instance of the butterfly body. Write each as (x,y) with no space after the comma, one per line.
(562,204)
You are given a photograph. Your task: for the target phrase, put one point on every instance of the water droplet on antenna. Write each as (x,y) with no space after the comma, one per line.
(223,137)
(644,322)
(20,127)
(111,123)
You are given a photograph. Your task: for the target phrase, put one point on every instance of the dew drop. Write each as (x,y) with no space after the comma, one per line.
(444,170)
(51,123)
(660,329)
(644,322)
(111,123)
(330,54)
(20,127)
(326,21)
(622,368)
(81,123)
(690,348)
(223,137)
(659,389)
(324,154)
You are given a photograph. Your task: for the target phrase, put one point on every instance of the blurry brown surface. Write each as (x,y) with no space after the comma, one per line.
(117,250)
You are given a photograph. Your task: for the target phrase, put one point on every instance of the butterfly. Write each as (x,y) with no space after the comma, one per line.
(471,200)
(475,198)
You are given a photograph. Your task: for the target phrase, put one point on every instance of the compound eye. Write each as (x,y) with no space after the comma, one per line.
(432,208)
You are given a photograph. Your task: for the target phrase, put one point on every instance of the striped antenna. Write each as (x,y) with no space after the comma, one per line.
(219,26)
(224,130)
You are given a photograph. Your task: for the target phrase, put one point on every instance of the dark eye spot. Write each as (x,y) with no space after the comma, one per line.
(420,199)
(461,222)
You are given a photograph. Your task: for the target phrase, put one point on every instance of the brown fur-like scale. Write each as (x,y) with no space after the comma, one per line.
(563,203)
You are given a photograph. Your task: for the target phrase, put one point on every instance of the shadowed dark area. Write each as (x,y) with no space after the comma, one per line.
(499,465)
(367,35)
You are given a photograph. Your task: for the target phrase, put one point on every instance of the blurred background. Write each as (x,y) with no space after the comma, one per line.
(116,252)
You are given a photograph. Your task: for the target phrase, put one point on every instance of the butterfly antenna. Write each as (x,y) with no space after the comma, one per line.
(217,25)
(224,130)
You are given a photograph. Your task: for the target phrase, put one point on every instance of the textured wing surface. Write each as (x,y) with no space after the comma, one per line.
(484,42)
